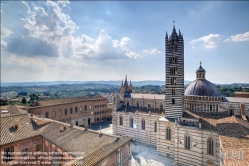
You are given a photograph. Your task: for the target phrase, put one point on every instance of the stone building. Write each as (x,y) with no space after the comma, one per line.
(241,94)
(78,110)
(29,140)
(195,127)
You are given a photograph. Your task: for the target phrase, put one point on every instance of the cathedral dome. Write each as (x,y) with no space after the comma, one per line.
(202,87)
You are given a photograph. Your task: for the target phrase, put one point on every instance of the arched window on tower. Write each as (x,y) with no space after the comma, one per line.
(131,122)
(155,127)
(143,124)
(168,133)
(210,146)
(187,142)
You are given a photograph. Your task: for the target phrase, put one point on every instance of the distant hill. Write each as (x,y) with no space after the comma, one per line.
(118,83)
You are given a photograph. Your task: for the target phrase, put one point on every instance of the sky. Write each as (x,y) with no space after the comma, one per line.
(106,40)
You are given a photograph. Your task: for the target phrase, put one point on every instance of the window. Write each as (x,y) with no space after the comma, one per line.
(8,154)
(37,147)
(90,107)
(85,107)
(161,107)
(137,105)
(231,112)
(53,114)
(173,101)
(71,110)
(187,142)
(118,157)
(210,107)
(131,122)
(143,124)
(47,115)
(173,71)
(65,111)
(173,81)
(59,113)
(155,127)
(210,146)
(121,121)
(127,104)
(25,151)
(168,134)
(76,109)
(173,92)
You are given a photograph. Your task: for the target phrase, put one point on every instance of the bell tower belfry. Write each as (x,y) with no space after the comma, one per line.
(174,67)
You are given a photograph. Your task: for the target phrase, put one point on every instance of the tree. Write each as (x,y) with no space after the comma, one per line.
(24,101)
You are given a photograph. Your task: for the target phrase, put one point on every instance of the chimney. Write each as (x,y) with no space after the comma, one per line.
(242,111)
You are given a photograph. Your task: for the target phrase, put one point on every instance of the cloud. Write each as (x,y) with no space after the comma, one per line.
(210,41)
(239,37)
(52,27)
(103,48)
(5,33)
(152,51)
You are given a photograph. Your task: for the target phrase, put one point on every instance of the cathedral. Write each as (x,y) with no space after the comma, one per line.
(196,126)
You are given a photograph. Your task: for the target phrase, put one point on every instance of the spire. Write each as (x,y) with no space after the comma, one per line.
(166,35)
(200,63)
(174,36)
(122,83)
(125,82)
(180,33)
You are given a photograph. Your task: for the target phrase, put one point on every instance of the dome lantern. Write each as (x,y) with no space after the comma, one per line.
(200,72)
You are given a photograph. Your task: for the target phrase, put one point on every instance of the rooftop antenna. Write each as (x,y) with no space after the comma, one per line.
(200,63)
(174,23)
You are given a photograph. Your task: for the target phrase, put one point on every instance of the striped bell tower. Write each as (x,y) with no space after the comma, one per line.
(174,55)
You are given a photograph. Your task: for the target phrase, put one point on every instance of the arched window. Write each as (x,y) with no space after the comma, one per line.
(76,109)
(155,127)
(168,133)
(131,122)
(143,124)
(121,121)
(231,111)
(210,146)
(85,107)
(161,107)
(65,111)
(71,110)
(187,142)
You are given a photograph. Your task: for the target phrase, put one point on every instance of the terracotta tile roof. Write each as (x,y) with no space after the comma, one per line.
(208,120)
(68,100)
(234,139)
(26,128)
(12,110)
(76,139)
(133,109)
(73,139)
(148,96)
(236,99)
(97,154)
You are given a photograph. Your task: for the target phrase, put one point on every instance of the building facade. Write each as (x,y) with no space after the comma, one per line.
(80,110)
(29,140)
(192,129)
